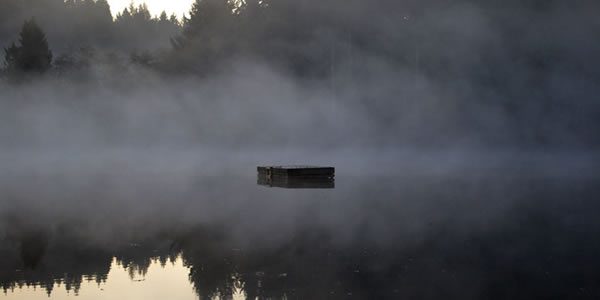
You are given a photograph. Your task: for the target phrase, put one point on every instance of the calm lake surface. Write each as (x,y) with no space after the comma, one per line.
(424,229)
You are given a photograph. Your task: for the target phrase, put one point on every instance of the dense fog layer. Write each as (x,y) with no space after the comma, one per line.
(459,74)
(419,87)
(464,135)
(456,89)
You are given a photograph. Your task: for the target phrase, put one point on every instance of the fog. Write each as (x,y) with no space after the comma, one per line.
(449,124)
(460,89)
(453,75)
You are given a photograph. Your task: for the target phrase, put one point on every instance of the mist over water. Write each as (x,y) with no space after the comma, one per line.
(464,136)
(379,233)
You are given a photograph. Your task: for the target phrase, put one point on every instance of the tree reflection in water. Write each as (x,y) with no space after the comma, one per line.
(542,245)
(531,256)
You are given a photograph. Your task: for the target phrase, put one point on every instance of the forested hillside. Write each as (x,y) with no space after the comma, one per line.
(523,72)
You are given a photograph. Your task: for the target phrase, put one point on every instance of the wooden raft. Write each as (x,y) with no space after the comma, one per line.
(297,176)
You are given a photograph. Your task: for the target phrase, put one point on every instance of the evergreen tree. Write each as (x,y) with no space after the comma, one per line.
(123,16)
(174,20)
(141,13)
(208,18)
(207,38)
(102,12)
(33,53)
(163,17)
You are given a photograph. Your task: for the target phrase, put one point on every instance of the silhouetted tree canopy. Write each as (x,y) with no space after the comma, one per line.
(208,19)
(509,55)
(32,54)
(73,24)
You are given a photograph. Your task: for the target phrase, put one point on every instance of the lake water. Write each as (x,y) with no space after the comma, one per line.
(513,229)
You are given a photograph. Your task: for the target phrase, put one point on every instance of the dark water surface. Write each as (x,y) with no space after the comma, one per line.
(126,230)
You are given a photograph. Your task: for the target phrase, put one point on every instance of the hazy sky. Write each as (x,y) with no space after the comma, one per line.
(156,6)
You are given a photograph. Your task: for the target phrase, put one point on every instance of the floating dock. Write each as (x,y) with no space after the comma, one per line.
(297,177)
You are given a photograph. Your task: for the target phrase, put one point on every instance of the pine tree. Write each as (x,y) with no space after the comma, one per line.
(124,16)
(141,13)
(102,12)
(163,17)
(174,20)
(208,36)
(207,17)
(33,53)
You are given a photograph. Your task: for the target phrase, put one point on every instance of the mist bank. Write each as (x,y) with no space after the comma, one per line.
(464,131)
(253,105)
(135,193)
(317,74)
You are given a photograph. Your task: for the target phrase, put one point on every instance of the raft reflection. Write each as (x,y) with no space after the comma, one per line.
(296,183)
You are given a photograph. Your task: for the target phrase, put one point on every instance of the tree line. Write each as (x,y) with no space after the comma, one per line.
(291,34)
(311,37)
(74,30)
(72,24)
(504,55)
